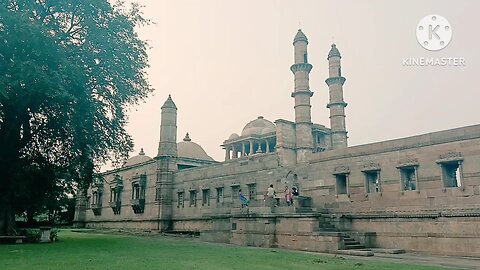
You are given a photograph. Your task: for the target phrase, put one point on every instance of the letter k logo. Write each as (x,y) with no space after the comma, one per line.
(434,32)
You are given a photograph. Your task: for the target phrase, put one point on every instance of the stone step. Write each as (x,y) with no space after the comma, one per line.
(366,253)
(351,242)
(388,250)
(328,229)
(356,246)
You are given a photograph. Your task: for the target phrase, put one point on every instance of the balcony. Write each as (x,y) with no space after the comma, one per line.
(116,207)
(138,205)
(97,209)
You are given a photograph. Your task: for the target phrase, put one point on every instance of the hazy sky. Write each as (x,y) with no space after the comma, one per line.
(227,62)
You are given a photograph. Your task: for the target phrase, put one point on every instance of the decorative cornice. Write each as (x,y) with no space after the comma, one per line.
(344,104)
(450,157)
(341,170)
(302,92)
(473,212)
(301,67)
(407,162)
(335,80)
(371,166)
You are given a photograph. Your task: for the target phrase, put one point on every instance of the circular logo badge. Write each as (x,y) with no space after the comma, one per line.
(434,32)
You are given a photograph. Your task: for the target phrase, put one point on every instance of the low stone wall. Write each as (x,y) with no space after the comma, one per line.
(456,236)
(125,224)
(328,242)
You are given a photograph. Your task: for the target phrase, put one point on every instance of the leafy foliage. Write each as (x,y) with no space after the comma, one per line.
(69,69)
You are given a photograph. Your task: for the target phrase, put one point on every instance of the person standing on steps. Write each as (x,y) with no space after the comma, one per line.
(288,196)
(271,196)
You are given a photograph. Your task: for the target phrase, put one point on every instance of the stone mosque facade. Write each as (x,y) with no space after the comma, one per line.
(419,193)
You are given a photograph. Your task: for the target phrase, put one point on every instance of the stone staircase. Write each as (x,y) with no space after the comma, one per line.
(350,244)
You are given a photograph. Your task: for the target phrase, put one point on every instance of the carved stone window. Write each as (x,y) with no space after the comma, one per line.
(372,181)
(116,194)
(252,192)
(139,184)
(205,197)
(193,198)
(341,183)
(235,190)
(452,174)
(451,169)
(408,176)
(341,179)
(220,194)
(97,196)
(181,199)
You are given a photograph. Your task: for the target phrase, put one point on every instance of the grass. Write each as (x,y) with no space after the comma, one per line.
(106,251)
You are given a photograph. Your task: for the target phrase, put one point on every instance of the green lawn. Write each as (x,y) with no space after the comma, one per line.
(105,251)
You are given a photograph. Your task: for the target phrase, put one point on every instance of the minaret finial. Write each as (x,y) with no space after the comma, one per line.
(142,153)
(187,138)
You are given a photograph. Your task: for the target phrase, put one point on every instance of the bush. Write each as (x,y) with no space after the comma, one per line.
(32,235)
(54,235)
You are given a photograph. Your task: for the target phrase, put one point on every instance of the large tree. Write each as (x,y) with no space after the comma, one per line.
(69,69)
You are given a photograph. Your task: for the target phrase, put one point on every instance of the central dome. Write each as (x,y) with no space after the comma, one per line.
(259,126)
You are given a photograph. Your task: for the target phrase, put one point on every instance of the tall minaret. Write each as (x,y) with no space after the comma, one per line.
(302,94)
(337,105)
(168,129)
(166,164)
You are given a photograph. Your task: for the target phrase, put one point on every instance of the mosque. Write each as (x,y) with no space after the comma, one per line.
(420,193)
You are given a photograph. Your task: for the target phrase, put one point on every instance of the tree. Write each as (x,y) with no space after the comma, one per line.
(69,69)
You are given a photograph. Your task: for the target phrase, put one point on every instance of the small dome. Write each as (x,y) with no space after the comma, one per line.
(140,158)
(189,149)
(300,36)
(334,52)
(259,126)
(233,136)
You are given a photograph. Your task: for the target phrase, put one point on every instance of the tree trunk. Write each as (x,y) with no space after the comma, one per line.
(7,220)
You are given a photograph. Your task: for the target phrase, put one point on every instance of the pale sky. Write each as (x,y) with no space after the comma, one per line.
(227,62)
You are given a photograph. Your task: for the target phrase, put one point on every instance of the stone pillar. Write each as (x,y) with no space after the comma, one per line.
(251,148)
(243,149)
(234,152)
(302,94)
(80,209)
(336,105)
(227,152)
(267,147)
(259,149)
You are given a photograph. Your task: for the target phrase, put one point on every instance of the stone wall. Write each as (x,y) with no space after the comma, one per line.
(127,218)
(433,218)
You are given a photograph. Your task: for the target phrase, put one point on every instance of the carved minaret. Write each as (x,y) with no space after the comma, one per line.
(302,94)
(166,164)
(168,129)
(337,105)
